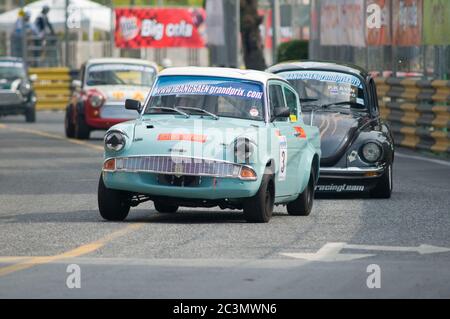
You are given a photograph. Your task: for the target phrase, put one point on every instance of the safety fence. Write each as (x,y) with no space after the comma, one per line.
(52,87)
(418,112)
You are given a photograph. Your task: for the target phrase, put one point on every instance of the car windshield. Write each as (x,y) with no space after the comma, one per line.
(120,74)
(222,97)
(327,89)
(11,70)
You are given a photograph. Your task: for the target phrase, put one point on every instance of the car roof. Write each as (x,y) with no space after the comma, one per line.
(318,65)
(122,60)
(11,59)
(249,75)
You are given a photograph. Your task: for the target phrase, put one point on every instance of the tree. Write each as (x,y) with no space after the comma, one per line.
(251,36)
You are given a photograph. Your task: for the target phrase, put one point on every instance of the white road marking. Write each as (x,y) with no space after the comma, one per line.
(330,252)
(420,158)
(421,249)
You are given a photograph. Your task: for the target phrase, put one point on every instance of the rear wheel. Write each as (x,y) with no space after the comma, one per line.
(162,207)
(114,205)
(383,188)
(68,124)
(259,208)
(302,206)
(82,130)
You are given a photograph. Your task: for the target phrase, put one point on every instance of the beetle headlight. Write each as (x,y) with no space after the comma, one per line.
(371,152)
(243,149)
(114,141)
(25,88)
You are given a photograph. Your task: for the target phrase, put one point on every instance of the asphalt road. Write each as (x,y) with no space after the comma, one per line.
(49,220)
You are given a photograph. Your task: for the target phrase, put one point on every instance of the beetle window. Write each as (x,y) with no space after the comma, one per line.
(276,97)
(317,88)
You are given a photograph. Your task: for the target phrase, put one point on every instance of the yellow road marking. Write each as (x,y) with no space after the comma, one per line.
(29,262)
(54,136)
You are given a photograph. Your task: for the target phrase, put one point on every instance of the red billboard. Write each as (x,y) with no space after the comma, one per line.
(159,28)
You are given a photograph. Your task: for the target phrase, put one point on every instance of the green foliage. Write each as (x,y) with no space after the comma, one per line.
(293,50)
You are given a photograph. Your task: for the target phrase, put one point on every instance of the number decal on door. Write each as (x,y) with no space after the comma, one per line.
(283,159)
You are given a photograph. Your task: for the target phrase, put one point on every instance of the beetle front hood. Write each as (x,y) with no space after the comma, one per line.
(190,137)
(337,130)
(119,93)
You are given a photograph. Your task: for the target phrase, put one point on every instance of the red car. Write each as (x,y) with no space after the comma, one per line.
(99,96)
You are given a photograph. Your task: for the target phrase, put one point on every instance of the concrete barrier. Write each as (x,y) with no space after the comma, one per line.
(418,112)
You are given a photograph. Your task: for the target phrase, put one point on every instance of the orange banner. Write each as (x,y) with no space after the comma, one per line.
(377,22)
(407,22)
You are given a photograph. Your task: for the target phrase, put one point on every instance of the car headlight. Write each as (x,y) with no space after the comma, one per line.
(96,99)
(114,141)
(243,149)
(371,152)
(25,88)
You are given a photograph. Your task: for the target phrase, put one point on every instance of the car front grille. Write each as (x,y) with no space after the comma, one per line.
(177,165)
(8,97)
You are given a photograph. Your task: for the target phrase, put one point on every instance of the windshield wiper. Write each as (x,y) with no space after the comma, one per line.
(324,106)
(308,99)
(199,110)
(174,109)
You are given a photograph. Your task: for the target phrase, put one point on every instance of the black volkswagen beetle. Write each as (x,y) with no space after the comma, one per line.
(16,90)
(357,146)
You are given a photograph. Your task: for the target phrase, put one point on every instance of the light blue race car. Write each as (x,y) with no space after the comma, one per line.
(211,137)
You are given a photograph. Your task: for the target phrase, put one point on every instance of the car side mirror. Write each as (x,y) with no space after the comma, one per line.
(281,112)
(33,77)
(76,84)
(131,104)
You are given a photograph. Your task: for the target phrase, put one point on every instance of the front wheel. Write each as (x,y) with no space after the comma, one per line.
(259,208)
(114,205)
(303,204)
(383,188)
(30,114)
(82,130)
(68,124)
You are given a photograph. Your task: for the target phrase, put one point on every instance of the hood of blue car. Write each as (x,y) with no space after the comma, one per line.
(187,137)
(337,130)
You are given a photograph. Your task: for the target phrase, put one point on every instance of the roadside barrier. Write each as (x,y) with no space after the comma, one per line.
(53,87)
(418,112)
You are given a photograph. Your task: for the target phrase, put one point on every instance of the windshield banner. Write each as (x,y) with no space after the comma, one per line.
(160,27)
(340,78)
(208,86)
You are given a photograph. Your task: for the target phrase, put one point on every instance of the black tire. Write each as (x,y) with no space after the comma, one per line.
(303,204)
(68,124)
(82,130)
(30,114)
(162,207)
(259,208)
(114,205)
(383,188)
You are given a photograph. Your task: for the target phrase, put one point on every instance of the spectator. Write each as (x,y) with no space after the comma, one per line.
(21,27)
(42,22)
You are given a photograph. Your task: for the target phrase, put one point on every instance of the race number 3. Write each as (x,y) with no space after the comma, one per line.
(283,159)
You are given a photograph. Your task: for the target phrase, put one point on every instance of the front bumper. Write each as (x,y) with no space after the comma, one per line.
(348,180)
(208,188)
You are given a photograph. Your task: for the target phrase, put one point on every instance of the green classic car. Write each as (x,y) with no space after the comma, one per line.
(211,137)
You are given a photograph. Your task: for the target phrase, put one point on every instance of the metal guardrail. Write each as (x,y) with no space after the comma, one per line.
(418,112)
(53,87)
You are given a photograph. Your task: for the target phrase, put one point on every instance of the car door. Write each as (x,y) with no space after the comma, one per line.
(288,152)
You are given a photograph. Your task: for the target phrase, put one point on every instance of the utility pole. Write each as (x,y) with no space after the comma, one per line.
(23,39)
(66,35)
(275,28)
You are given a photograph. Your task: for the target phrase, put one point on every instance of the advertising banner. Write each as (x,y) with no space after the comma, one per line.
(407,20)
(436,22)
(377,22)
(342,22)
(160,28)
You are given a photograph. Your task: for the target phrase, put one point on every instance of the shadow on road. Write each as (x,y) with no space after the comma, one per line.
(135,216)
